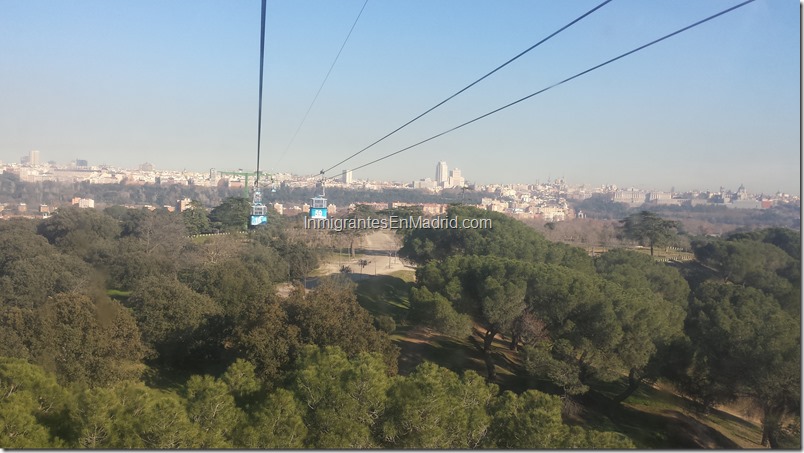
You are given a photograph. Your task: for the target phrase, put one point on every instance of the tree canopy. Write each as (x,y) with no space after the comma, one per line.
(648,228)
(119,330)
(507,238)
(745,345)
(578,325)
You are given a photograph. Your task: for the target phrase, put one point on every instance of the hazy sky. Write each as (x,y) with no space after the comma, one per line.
(174,83)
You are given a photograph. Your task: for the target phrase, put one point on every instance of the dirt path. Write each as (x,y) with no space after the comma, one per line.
(379,248)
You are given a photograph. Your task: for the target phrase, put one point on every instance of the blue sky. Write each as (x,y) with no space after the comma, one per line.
(174,83)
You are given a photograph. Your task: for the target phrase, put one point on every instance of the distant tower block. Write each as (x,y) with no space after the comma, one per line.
(442,173)
(346,176)
(455,179)
(33,158)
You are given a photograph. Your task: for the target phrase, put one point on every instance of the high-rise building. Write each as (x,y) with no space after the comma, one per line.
(346,177)
(441,173)
(455,178)
(33,158)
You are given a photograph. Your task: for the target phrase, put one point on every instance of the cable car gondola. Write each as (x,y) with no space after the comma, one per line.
(318,205)
(259,212)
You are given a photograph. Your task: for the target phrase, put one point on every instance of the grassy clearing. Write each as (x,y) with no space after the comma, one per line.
(657,417)
(418,345)
(645,395)
(742,432)
(119,295)
(385,295)
(663,423)
(407,276)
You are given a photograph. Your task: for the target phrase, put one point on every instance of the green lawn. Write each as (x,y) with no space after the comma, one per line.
(385,295)
(408,276)
(656,417)
(119,295)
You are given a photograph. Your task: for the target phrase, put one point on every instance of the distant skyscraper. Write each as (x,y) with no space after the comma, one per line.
(455,178)
(33,158)
(441,173)
(347,177)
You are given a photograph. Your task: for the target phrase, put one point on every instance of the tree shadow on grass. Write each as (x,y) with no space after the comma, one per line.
(419,345)
(659,428)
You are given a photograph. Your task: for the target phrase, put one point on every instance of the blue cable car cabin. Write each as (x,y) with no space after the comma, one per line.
(259,212)
(318,208)
(318,205)
(259,216)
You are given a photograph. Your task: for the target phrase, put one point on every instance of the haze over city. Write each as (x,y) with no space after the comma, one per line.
(175,84)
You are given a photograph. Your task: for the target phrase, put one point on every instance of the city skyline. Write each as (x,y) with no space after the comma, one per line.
(345,177)
(175,85)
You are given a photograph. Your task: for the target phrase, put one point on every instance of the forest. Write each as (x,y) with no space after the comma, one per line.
(120,329)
